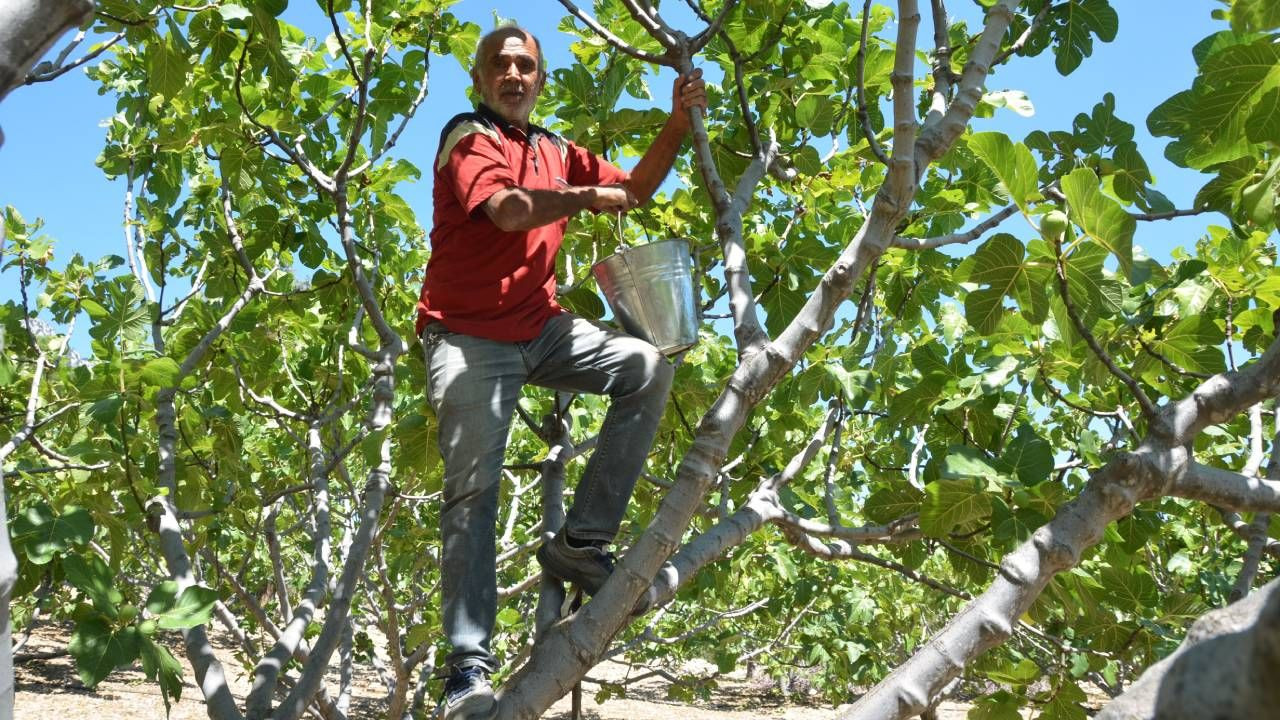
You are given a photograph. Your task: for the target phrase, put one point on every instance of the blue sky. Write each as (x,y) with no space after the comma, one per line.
(52,132)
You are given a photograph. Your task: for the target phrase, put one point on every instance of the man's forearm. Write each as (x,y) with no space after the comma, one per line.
(515,209)
(657,161)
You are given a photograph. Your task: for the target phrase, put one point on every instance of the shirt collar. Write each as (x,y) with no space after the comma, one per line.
(492,116)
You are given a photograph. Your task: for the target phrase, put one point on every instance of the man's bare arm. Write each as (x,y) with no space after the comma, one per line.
(689,92)
(514,209)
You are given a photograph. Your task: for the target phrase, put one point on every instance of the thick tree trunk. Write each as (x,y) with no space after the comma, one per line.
(1226,668)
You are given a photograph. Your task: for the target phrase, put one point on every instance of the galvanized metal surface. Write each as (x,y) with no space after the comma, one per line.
(650,290)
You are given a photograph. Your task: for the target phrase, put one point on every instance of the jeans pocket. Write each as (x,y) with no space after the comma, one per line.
(431,339)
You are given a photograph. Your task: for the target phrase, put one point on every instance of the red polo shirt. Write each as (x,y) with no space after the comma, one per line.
(480,280)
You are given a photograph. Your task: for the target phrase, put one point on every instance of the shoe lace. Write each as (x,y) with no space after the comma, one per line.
(463,681)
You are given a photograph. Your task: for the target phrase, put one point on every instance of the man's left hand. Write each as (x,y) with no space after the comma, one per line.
(689,92)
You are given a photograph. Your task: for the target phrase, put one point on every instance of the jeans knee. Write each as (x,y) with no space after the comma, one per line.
(663,374)
(651,373)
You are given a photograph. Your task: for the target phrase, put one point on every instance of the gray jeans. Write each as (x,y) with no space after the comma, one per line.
(473,386)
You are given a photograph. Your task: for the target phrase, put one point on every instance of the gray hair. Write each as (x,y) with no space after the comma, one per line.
(507,26)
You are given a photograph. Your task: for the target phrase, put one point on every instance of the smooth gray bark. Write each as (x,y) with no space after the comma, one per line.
(28,28)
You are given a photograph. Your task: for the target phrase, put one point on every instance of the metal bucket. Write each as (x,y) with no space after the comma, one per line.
(650,290)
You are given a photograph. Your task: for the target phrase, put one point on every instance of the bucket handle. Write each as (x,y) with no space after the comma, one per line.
(622,238)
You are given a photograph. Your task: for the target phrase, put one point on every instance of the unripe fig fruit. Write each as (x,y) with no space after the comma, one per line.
(128,613)
(1054,224)
(148,628)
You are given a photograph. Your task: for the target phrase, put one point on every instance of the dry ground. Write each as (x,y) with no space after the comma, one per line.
(48,689)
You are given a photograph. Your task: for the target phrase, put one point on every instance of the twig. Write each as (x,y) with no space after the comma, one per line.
(1169,363)
(913,469)
(967,555)
(943,75)
(743,103)
(844,551)
(342,43)
(1048,385)
(864,119)
(295,153)
(1148,409)
(648,17)
(196,286)
(61,70)
(1169,215)
(833,458)
(956,238)
(649,636)
(404,121)
(612,39)
(901,530)
(701,39)
(1025,36)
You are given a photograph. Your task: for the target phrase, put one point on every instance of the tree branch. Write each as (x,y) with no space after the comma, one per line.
(699,41)
(1226,489)
(1021,42)
(936,139)
(617,42)
(1158,466)
(864,118)
(1169,363)
(45,75)
(1169,215)
(653,24)
(27,30)
(943,75)
(1148,409)
(1220,669)
(970,235)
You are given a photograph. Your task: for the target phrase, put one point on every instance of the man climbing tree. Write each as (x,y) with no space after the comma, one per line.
(489,323)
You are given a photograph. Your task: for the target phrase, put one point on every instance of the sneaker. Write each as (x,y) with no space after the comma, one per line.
(468,694)
(587,567)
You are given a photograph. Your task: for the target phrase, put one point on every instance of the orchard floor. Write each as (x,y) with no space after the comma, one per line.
(48,689)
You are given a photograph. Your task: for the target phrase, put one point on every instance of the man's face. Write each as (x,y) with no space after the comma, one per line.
(508,77)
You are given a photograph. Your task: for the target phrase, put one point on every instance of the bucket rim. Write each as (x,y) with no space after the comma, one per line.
(622,251)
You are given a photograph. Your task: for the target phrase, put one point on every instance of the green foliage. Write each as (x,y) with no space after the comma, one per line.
(174,611)
(1102,219)
(42,535)
(1209,121)
(1075,24)
(971,406)
(100,649)
(999,264)
(1012,163)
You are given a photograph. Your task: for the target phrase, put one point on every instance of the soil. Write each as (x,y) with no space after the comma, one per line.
(49,689)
